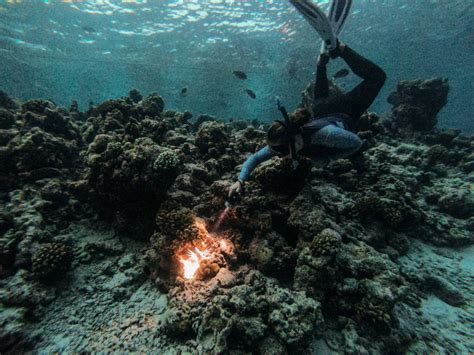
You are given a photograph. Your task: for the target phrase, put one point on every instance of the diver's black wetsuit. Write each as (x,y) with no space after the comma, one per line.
(355,102)
(328,136)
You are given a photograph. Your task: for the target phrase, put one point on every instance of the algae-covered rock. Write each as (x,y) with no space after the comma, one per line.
(416,103)
(392,212)
(437,153)
(153,105)
(315,275)
(135,95)
(280,175)
(12,323)
(240,316)
(374,311)
(6,101)
(7,119)
(458,204)
(129,173)
(212,138)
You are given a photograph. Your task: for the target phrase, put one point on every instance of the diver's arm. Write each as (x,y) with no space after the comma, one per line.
(251,163)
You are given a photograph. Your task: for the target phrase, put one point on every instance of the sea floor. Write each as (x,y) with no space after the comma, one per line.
(447,326)
(110,305)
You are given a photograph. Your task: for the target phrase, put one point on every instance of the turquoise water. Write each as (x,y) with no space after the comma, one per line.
(94,50)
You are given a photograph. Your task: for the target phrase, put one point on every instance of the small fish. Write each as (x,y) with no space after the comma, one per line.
(184,91)
(292,69)
(251,93)
(240,74)
(285,28)
(341,74)
(88,29)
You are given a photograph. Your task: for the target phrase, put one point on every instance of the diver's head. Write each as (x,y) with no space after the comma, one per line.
(278,138)
(280,134)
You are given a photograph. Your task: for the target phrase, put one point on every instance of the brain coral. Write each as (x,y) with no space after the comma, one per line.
(51,261)
(326,243)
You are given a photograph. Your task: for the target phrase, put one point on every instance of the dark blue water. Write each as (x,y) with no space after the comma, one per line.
(94,50)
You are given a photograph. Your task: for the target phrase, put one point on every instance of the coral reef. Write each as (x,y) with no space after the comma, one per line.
(38,142)
(350,255)
(274,315)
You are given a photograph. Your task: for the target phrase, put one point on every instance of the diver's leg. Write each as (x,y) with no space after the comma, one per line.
(357,101)
(321,86)
(332,136)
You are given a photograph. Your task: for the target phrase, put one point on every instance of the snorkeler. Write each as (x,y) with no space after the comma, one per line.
(327,125)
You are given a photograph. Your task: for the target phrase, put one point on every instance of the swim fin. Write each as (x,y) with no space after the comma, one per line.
(318,19)
(338,14)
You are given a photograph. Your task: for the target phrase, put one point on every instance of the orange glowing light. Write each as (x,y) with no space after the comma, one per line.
(201,226)
(191,264)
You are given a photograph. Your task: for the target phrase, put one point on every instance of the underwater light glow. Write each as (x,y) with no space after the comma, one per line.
(205,247)
(191,264)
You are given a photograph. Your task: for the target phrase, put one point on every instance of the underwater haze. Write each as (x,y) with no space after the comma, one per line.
(149,205)
(187,50)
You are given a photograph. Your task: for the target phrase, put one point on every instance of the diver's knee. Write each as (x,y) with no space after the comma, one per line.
(357,142)
(381,77)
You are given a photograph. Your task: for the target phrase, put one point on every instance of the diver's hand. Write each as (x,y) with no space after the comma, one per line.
(236,188)
(323,59)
